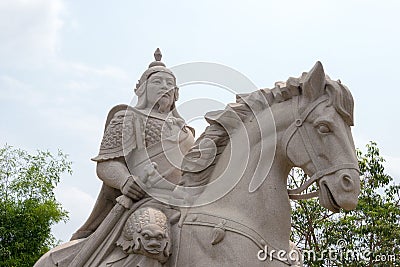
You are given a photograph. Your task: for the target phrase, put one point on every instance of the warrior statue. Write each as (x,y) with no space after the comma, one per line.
(149,214)
(132,138)
(134,150)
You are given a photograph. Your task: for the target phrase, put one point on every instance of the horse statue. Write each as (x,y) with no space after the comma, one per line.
(247,151)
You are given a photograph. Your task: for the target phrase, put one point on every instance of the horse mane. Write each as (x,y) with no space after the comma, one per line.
(341,99)
(246,106)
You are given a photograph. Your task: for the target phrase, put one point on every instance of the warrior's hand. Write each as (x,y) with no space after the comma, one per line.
(131,189)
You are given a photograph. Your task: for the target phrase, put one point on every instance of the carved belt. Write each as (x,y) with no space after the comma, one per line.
(225,224)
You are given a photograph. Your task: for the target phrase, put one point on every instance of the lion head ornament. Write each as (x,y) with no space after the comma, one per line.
(146,232)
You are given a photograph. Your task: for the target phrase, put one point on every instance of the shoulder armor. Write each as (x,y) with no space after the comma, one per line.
(119,134)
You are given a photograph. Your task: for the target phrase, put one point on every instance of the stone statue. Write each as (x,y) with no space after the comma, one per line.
(146,232)
(128,134)
(132,224)
(134,146)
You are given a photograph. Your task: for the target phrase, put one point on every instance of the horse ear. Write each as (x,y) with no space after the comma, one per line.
(314,82)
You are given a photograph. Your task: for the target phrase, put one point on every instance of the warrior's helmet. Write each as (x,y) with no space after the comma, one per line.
(154,67)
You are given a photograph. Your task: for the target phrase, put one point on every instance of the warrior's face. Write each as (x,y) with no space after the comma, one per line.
(160,92)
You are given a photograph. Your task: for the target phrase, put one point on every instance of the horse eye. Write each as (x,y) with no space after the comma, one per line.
(323,128)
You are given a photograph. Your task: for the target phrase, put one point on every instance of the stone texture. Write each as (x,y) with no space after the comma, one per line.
(131,226)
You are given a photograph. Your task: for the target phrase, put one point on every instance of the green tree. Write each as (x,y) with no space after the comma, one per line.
(371,230)
(28,207)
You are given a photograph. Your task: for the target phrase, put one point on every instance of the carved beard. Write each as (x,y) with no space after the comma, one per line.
(165,102)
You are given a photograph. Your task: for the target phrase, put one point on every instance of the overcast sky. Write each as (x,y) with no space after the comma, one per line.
(63,65)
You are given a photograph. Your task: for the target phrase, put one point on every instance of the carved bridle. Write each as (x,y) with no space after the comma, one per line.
(320,172)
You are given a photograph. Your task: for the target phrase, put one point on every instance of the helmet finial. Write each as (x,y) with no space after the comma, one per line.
(157,54)
(157,57)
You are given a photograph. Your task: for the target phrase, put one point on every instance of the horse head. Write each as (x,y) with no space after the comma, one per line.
(320,142)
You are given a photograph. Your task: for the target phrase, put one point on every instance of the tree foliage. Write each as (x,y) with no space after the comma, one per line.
(366,236)
(28,207)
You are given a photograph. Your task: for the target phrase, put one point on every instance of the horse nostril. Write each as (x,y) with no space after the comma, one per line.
(347,183)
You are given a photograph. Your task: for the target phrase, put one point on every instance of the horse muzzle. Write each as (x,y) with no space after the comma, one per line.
(340,190)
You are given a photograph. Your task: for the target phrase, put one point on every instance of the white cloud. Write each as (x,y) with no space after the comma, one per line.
(79,204)
(29,31)
(18,92)
(392,167)
(107,71)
